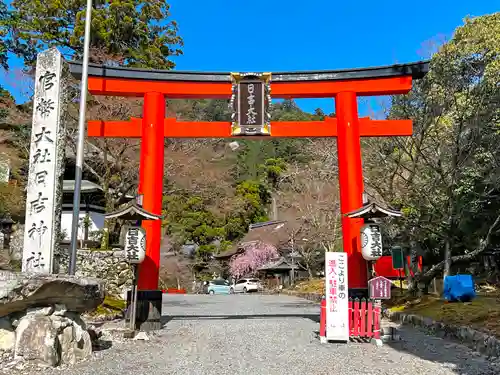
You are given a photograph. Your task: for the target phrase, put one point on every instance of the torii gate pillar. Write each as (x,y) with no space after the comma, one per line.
(351,187)
(151,185)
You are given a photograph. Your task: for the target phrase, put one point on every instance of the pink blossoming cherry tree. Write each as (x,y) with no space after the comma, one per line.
(256,254)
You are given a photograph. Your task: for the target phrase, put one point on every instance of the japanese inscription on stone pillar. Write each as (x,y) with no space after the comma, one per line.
(46,165)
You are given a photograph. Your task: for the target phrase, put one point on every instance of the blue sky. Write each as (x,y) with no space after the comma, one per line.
(290,35)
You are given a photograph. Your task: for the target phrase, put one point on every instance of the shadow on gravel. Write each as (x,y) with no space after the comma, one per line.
(102,345)
(172,303)
(298,305)
(447,353)
(166,319)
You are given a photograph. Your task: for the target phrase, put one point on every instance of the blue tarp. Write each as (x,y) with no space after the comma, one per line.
(459,288)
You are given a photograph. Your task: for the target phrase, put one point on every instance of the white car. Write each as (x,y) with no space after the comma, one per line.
(247,285)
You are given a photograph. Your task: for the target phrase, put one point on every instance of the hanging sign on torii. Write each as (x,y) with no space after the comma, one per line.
(250,104)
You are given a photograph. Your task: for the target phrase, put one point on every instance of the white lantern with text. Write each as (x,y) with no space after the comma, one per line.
(371,241)
(135,245)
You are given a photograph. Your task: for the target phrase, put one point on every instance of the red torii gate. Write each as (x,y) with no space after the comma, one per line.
(343,85)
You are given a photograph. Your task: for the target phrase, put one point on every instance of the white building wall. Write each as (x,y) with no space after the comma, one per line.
(96,223)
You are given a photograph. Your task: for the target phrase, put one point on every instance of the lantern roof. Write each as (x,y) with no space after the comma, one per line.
(373,210)
(132,212)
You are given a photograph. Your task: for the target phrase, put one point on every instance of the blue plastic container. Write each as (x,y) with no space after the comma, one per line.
(459,288)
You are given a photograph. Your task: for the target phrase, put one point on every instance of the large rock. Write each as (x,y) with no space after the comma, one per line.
(74,340)
(7,335)
(50,337)
(21,291)
(36,340)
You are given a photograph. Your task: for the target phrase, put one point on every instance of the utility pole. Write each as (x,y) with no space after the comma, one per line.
(292,256)
(81,140)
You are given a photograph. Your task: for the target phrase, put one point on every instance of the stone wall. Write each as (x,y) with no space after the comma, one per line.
(16,242)
(314,297)
(482,342)
(109,266)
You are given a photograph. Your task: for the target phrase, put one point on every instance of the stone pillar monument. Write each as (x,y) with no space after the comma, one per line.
(46,165)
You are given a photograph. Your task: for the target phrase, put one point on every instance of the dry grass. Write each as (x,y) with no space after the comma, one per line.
(483,313)
(199,168)
(311,286)
(318,286)
(488,290)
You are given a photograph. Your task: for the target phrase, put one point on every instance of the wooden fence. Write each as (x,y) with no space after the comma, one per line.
(364,319)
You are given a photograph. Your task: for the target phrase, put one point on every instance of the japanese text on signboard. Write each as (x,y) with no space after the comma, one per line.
(135,244)
(337,304)
(376,243)
(337,282)
(251,103)
(251,114)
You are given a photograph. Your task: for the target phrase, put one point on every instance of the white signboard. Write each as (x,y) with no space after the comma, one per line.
(46,166)
(135,244)
(337,299)
(371,241)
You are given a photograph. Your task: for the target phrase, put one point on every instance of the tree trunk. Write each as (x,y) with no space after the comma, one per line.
(309,271)
(412,281)
(484,243)
(105,235)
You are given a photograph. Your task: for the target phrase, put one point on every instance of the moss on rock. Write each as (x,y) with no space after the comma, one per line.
(111,308)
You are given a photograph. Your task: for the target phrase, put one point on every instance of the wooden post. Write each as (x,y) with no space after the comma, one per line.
(322,322)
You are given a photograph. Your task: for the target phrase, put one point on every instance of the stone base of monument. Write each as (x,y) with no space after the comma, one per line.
(148,312)
(40,318)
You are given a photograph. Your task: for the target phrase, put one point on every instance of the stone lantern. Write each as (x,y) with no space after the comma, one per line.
(144,306)
(370,234)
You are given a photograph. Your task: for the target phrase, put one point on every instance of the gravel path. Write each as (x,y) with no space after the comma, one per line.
(272,335)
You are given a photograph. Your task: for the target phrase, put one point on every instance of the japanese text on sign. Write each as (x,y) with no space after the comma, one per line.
(251,114)
(376,245)
(135,244)
(249,103)
(371,241)
(380,288)
(337,324)
(44,166)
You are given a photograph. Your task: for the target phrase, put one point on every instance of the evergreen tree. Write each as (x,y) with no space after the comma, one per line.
(131,32)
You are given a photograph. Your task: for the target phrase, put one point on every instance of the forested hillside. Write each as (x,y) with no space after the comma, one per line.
(445,178)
